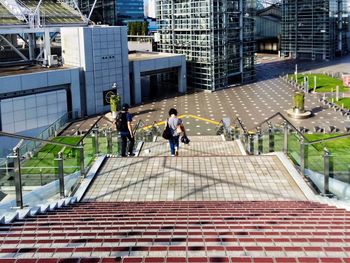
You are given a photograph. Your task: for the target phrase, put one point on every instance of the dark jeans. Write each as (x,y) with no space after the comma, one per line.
(125,138)
(174,142)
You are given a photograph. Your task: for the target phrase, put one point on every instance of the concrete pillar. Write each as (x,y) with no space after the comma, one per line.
(137,83)
(47,45)
(182,81)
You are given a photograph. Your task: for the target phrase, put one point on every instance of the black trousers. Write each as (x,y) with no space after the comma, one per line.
(125,139)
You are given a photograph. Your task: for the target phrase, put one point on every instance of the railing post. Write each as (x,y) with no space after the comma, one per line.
(109,141)
(260,141)
(119,139)
(236,133)
(327,170)
(95,140)
(251,136)
(18,177)
(271,140)
(60,174)
(302,156)
(285,138)
(81,157)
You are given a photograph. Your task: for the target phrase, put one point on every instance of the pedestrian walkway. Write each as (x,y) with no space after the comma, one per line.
(199,146)
(202,172)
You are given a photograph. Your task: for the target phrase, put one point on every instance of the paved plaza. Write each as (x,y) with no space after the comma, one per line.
(253,103)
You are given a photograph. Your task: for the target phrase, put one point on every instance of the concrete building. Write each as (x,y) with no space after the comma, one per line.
(315,31)
(102,54)
(35,98)
(217,38)
(268,29)
(155,73)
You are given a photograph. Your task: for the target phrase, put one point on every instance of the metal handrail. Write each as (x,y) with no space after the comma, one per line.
(306,141)
(240,124)
(29,138)
(88,131)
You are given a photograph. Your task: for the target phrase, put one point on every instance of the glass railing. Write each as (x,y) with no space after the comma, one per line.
(38,170)
(322,158)
(50,132)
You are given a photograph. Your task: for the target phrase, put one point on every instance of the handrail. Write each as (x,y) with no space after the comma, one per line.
(286,120)
(29,138)
(88,131)
(330,139)
(301,134)
(137,126)
(240,124)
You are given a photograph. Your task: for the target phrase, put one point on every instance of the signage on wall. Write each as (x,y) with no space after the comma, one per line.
(107,95)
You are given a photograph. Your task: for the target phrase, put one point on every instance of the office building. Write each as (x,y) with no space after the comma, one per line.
(315,31)
(217,38)
(112,12)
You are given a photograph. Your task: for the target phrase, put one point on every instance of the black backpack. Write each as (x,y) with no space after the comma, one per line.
(121,122)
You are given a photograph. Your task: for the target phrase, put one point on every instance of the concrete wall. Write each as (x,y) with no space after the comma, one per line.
(31,110)
(102,54)
(154,64)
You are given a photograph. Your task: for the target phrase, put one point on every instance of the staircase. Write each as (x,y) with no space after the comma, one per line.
(181,232)
(209,205)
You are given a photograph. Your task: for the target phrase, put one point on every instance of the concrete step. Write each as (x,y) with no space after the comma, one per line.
(268,231)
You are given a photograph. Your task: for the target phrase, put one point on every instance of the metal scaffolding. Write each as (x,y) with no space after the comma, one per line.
(314,29)
(217,37)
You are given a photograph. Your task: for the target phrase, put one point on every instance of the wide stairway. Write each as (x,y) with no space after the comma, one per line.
(210,204)
(181,232)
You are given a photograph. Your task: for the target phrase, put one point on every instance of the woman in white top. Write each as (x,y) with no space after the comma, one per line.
(176,127)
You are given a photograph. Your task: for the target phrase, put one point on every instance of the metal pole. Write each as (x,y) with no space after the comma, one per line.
(109,140)
(260,141)
(95,131)
(81,160)
(285,138)
(326,162)
(302,156)
(271,140)
(59,161)
(18,177)
(251,143)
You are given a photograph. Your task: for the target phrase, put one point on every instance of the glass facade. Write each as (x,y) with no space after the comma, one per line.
(114,12)
(217,37)
(129,11)
(313,29)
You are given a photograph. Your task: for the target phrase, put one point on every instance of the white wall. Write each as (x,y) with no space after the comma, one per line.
(37,110)
(33,111)
(102,52)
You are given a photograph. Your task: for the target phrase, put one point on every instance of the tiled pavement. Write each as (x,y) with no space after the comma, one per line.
(194,178)
(199,146)
(252,102)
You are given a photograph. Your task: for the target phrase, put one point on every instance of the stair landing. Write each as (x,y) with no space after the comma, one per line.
(197,178)
(199,146)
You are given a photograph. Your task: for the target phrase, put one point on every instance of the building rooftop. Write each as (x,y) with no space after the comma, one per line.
(26,69)
(140,56)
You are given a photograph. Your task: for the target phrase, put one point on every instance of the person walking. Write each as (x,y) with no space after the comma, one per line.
(123,123)
(176,128)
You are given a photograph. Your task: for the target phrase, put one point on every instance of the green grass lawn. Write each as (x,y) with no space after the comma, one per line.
(339,149)
(344,102)
(43,162)
(324,83)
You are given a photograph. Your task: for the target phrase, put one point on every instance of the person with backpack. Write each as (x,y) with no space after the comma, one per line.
(123,125)
(175,128)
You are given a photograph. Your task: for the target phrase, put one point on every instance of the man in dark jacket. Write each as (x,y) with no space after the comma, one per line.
(124,127)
